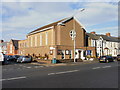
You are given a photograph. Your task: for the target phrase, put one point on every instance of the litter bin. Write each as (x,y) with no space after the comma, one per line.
(54,61)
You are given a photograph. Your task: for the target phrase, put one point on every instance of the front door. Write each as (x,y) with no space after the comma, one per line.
(63,54)
(79,54)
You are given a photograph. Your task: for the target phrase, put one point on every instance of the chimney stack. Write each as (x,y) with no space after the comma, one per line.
(108,34)
(92,32)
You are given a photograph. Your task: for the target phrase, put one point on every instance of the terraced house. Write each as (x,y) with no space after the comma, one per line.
(105,44)
(54,41)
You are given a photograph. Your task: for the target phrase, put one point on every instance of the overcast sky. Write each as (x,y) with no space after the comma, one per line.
(20,18)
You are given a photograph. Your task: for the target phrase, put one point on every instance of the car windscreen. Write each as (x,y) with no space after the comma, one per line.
(26,56)
(17,56)
(103,57)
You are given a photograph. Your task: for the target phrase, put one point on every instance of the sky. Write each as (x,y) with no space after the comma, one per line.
(20,17)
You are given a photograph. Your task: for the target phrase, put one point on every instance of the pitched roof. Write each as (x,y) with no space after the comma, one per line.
(15,43)
(105,37)
(110,38)
(52,24)
(93,36)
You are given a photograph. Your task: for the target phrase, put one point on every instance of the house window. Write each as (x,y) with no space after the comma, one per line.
(46,38)
(59,52)
(104,44)
(93,43)
(100,43)
(40,39)
(19,45)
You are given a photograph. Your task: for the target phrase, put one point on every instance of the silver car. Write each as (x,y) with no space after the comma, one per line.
(24,59)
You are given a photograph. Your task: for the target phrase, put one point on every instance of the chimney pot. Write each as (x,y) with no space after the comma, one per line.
(92,32)
(108,34)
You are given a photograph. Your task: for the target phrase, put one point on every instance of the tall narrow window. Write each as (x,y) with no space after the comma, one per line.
(46,38)
(35,40)
(28,41)
(40,39)
(31,41)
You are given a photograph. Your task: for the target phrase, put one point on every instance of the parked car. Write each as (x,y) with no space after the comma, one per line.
(15,57)
(5,60)
(106,59)
(118,57)
(10,58)
(24,59)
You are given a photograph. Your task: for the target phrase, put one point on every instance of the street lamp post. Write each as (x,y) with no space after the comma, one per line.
(74,35)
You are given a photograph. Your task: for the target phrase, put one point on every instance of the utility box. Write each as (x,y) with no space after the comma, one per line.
(54,61)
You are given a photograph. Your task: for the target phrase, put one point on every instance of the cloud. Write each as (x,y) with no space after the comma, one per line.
(23,17)
(60,0)
(113,30)
(17,36)
(36,14)
(106,29)
(96,13)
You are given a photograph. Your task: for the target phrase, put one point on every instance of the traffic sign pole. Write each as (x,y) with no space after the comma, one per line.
(73,35)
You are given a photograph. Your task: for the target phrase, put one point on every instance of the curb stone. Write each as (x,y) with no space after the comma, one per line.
(63,64)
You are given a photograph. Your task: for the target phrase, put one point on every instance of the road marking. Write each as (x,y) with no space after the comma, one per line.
(96,67)
(12,78)
(38,66)
(28,67)
(47,66)
(63,72)
(106,66)
(51,73)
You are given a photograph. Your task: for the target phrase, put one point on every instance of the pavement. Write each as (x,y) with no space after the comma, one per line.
(63,64)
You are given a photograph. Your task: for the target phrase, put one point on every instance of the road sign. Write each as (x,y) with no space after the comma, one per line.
(72,34)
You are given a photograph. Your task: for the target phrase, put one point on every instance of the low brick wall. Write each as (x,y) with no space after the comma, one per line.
(44,61)
(68,60)
(58,61)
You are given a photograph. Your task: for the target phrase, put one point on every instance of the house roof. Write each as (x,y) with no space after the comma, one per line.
(52,24)
(109,38)
(105,37)
(93,36)
(15,43)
